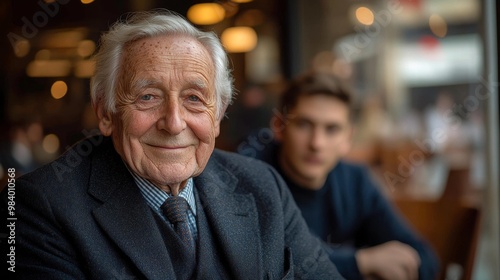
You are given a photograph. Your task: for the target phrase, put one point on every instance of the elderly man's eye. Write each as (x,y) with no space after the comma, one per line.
(193,98)
(147,97)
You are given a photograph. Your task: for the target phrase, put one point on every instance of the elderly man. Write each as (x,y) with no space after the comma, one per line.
(151,199)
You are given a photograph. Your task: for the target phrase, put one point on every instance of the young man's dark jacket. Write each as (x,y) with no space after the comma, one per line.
(350,212)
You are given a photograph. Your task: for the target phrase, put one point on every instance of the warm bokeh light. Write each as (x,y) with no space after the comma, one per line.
(22,48)
(438,25)
(85,68)
(241,1)
(51,143)
(206,13)
(62,38)
(43,54)
(85,48)
(365,16)
(239,39)
(86,1)
(48,68)
(35,132)
(59,89)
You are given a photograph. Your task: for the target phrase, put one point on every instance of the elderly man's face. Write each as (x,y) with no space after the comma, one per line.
(165,128)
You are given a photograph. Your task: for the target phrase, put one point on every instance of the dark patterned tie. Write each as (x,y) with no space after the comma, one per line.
(175,209)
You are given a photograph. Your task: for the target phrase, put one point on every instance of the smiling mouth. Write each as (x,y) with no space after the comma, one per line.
(166,147)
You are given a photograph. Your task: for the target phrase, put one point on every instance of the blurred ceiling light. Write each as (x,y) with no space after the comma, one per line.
(48,68)
(86,1)
(206,13)
(58,89)
(251,17)
(85,48)
(22,48)
(85,68)
(51,143)
(365,16)
(438,25)
(42,55)
(241,1)
(239,39)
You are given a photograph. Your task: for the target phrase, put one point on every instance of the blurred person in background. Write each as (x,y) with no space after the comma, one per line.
(451,137)
(20,149)
(342,205)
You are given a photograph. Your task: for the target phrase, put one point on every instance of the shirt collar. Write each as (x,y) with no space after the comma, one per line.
(155,197)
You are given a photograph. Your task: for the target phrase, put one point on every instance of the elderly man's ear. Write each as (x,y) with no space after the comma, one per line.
(217,128)
(218,121)
(105,120)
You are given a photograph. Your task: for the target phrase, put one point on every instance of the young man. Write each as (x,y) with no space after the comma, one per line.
(152,199)
(341,204)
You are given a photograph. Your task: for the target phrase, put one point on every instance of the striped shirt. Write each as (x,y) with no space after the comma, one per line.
(155,197)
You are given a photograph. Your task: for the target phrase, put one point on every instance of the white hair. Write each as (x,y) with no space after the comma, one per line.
(150,24)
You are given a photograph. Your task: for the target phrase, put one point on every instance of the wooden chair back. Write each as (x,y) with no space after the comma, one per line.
(450,227)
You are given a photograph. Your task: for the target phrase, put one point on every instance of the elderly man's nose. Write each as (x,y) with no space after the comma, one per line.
(172,119)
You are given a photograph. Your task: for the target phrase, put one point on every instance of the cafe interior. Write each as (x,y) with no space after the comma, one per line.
(423,73)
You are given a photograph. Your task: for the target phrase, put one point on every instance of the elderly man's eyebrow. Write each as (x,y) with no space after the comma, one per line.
(146,83)
(143,83)
(198,84)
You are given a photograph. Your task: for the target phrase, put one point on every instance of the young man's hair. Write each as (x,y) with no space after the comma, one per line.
(314,83)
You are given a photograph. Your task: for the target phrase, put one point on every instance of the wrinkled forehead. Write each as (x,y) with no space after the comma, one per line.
(147,52)
(167,44)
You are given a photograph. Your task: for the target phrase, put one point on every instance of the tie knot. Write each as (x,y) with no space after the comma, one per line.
(175,209)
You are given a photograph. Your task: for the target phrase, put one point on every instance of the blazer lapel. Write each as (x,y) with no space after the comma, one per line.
(233,219)
(126,218)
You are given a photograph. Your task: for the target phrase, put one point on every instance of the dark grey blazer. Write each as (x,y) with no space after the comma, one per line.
(83,217)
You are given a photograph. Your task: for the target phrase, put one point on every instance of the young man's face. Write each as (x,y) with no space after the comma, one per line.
(316,135)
